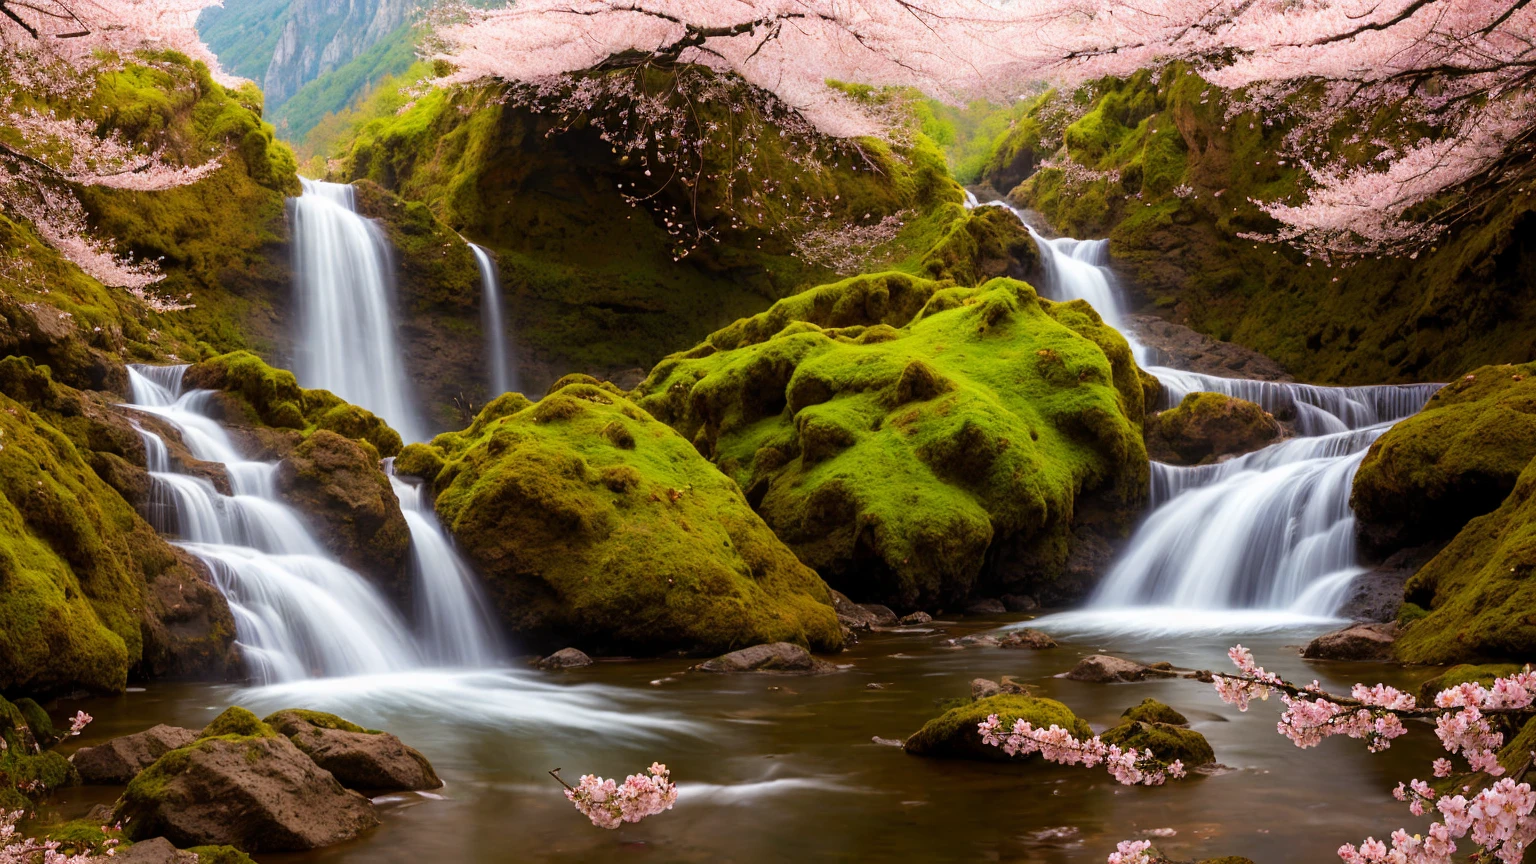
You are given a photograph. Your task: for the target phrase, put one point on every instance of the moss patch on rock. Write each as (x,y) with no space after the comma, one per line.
(1166,741)
(953,735)
(1150,710)
(643,548)
(239,722)
(1456,459)
(892,428)
(1207,426)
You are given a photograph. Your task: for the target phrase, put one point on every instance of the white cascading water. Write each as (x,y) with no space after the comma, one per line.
(299,613)
(1259,541)
(498,352)
(347,341)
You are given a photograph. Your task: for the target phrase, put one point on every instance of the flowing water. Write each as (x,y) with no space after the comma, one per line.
(346,307)
(503,369)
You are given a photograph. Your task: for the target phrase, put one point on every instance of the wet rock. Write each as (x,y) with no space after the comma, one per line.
(1152,711)
(1029,637)
(155,850)
(917,618)
(362,759)
(565,658)
(1183,348)
(1104,669)
(986,607)
(1208,426)
(884,617)
(1356,642)
(859,616)
(953,735)
(258,793)
(1376,594)
(1020,603)
(118,761)
(983,688)
(337,483)
(976,640)
(1166,741)
(780,657)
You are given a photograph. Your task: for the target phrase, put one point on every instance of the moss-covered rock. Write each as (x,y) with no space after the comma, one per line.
(337,483)
(953,735)
(1207,426)
(1480,590)
(1166,741)
(640,547)
(892,429)
(1150,710)
(1463,673)
(1457,458)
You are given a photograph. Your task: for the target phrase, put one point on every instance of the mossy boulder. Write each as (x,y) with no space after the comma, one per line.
(611,542)
(1150,710)
(893,430)
(362,759)
(1207,426)
(953,735)
(1456,459)
(1166,741)
(1463,673)
(336,482)
(1480,591)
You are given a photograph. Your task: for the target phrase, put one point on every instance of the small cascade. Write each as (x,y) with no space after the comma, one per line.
(498,352)
(346,304)
(299,613)
(456,625)
(1317,410)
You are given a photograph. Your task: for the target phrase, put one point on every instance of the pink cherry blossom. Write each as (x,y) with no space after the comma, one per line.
(609,804)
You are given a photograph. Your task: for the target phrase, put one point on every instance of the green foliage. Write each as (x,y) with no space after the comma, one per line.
(342,87)
(891,429)
(243,35)
(969,135)
(643,548)
(953,735)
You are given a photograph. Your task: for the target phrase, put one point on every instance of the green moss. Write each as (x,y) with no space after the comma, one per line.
(281,719)
(1166,741)
(419,460)
(1480,590)
(953,735)
(37,720)
(891,429)
(642,548)
(1456,459)
(1150,710)
(239,722)
(78,836)
(1461,674)
(220,855)
(1206,426)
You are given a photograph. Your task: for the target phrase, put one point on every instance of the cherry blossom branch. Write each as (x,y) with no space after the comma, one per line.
(609,804)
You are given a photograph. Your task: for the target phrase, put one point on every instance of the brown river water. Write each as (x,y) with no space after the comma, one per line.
(784,769)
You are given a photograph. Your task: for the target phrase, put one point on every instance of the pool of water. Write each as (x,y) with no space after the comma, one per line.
(785,768)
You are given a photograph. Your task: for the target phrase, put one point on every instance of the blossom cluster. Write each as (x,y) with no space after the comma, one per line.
(609,804)
(1128,766)
(15,849)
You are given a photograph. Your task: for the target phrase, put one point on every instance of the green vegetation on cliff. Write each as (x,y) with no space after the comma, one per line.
(594,524)
(893,429)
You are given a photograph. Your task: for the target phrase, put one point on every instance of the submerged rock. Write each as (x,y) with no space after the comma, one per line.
(778,657)
(593,523)
(953,735)
(362,759)
(1029,637)
(1207,426)
(1356,642)
(119,760)
(1104,669)
(565,658)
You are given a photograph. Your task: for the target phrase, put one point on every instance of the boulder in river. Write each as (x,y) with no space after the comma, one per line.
(780,657)
(565,658)
(953,735)
(1020,603)
(1166,741)
(1150,710)
(257,792)
(1207,426)
(364,759)
(917,618)
(1356,642)
(860,616)
(1104,669)
(115,762)
(988,606)
(1029,637)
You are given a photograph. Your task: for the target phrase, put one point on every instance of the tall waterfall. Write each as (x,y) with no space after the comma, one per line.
(498,355)
(299,613)
(1261,539)
(346,307)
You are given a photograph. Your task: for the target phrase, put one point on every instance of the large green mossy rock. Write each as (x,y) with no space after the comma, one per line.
(1480,590)
(1207,426)
(1457,458)
(953,735)
(893,429)
(1166,741)
(595,525)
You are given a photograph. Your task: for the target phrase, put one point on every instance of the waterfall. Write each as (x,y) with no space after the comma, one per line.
(346,307)
(298,612)
(1260,540)
(503,368)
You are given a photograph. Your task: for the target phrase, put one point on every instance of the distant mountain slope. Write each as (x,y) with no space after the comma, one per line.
(244,34)
(341,87)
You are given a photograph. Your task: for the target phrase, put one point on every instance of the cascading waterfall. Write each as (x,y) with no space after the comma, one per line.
(498,351)
(346,307)
(298,612)
(1264,539)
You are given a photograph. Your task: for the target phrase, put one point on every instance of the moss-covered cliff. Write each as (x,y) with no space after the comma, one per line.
(1178,179)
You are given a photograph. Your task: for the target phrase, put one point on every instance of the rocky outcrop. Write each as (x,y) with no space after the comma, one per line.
(1356,642)
(779,657)
(1184,348)
(321,35)
(119,760)
(362,759)
(872,425)
(953,735)
(1205,427)
(596,526)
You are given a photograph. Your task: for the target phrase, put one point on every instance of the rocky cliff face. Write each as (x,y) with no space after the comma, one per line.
(321,35)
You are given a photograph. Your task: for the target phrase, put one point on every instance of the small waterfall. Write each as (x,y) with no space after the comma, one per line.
(346,307)
(1317,410)
(499,358)
(298,612)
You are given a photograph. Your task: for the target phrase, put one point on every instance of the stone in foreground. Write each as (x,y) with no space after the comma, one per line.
(361,759)
(1104,669)
(781,657)
(156,850)
(1356,642)
(118,761)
